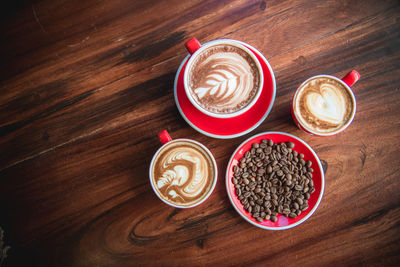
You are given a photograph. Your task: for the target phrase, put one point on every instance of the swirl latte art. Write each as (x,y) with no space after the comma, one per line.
(224,79)
(183,173)
(323,105)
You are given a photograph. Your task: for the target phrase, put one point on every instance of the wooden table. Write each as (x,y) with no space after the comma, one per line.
(87,85)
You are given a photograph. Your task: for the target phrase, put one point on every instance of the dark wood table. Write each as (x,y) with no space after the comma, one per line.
(87,85)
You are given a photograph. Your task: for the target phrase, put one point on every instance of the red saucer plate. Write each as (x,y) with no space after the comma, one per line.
(227,127)
(318,179)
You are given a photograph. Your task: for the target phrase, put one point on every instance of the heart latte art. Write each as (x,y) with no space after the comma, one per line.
(328,105)
(323,105)
(224,79)
(183,173)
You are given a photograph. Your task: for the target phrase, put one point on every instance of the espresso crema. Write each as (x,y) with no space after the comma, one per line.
(183,173)
(324,105)
(224,79)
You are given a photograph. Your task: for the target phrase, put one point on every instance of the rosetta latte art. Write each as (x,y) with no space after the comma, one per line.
(184,175)
(229,80)
(224,79)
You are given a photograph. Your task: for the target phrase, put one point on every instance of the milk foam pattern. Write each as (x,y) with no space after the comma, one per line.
(327,104)
(228,83)
(184,175)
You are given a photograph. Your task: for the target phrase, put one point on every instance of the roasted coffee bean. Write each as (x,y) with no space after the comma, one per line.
(273,218)
(272,179)
(300,201)
(259,219)
(290,144)
(298,187)
(238,192)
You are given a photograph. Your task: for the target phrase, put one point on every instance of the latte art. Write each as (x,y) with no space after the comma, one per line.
(183,173)
(229,80)
(224,79)
(328,105)
(323,105)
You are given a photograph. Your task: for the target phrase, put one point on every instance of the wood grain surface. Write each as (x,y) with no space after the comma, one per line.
(85,86)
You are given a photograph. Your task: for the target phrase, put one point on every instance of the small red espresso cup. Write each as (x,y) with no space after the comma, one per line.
(183,172)
(325,105)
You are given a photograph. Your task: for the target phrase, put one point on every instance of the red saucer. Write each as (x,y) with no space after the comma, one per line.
(301,147)
(227,127)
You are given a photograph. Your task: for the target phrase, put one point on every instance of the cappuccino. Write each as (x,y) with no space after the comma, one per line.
(224,79)
(323,105)
(183,173)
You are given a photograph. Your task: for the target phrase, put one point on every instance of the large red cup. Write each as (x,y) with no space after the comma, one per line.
(347,81)
(195,49)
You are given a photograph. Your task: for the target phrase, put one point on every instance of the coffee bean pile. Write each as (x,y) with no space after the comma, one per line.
(272,179)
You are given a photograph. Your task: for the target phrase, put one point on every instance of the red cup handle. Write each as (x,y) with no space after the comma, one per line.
(192,45)
(164,137)
(351,78)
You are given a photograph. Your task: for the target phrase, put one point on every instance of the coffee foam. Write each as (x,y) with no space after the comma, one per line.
(224,79)
(183,173)
(323,105)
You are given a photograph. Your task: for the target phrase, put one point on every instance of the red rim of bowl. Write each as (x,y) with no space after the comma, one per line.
(318,179)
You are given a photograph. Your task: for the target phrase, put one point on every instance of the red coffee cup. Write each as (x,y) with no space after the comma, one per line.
(176,173)
(327,106)
(196,49)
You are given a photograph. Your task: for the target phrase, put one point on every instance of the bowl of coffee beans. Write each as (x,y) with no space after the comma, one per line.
(275,180)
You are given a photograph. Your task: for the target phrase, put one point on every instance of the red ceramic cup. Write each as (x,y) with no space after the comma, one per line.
(166,140)
(195,49)
(347,81)
(301,147)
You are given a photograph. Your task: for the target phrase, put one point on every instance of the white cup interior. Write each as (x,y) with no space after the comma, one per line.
(198,52)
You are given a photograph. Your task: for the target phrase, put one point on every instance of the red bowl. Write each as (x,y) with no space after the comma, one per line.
(318,179)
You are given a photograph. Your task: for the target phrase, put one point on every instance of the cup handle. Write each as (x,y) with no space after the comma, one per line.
(192,45)
(351,78)
(164,137)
